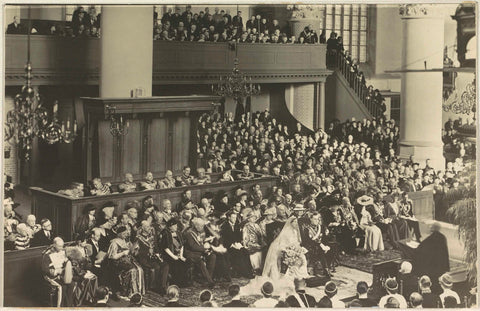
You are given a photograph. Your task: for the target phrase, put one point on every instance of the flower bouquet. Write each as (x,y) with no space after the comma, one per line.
(293,258)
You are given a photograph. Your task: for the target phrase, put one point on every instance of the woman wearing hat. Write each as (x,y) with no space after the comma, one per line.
(373,234)
(446,283)
(253,240)
(130,273)
(85,223)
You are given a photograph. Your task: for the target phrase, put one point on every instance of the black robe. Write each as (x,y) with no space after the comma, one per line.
(431,257)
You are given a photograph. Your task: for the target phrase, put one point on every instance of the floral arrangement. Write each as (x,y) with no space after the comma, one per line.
(305,11)
(293,256)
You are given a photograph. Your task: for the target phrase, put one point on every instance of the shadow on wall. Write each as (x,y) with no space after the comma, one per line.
(279,109)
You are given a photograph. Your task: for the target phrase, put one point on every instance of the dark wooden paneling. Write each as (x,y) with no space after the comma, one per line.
(132,148)
(106,151)
(63,210)
(156,158)
(181,143)
(60,61)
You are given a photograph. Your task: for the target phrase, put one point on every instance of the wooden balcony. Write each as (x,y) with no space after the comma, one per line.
(63,61)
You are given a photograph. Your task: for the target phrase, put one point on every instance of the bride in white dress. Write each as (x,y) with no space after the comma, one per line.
(282,283)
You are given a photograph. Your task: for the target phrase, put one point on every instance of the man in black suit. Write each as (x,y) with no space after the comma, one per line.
(44,236)
(15,28)
(96,261)
(237,20)
(300,299)
(362,299)
(232,240)
(233,291)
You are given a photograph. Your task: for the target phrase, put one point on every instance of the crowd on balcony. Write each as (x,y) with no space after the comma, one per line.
(83,24)
(220,26)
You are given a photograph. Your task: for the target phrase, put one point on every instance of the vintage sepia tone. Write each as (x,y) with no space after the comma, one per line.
(250,155)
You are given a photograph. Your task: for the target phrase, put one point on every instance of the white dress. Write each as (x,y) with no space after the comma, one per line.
(373,234)
(283,284)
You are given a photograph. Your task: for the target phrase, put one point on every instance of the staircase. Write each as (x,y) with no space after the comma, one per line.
(365,95)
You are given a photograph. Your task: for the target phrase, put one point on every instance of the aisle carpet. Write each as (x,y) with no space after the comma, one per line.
(189,296)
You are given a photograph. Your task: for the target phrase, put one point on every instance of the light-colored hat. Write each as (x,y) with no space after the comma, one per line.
(365,200)
(405,267)
(299,207)
(446,280)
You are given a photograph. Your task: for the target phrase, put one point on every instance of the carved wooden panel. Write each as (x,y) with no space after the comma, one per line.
(106,151)
(132,149)
(157,144)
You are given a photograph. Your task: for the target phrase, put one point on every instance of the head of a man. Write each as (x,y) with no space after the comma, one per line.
(31,220)
(58,244)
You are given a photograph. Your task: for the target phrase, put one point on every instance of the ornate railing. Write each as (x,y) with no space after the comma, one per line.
(371,98)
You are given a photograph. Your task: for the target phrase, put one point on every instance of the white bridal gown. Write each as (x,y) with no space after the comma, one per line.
(283,284)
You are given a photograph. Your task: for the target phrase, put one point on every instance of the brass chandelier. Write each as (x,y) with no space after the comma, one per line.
(29,119)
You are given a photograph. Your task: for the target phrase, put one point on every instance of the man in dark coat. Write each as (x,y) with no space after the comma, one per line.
(44,236)
(232,240)
(300,299)
(431,256)
(233,292)
(15,28)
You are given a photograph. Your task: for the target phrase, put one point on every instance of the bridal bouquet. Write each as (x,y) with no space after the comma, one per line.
(293,256)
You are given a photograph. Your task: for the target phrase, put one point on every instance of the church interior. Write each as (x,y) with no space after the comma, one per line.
(262,155)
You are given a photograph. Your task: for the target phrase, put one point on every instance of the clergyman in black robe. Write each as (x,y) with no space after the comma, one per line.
(431,256)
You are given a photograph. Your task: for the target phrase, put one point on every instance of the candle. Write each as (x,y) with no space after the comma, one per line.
(75,126)
(55,107)
(121,119)
(128,124)
(63,127)
(68,124)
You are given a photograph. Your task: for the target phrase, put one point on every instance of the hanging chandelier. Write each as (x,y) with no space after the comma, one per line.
(235,85)
(118,127)
(29,119)
(466,104)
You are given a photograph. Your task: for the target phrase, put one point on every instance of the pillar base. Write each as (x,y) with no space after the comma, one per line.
(422,153)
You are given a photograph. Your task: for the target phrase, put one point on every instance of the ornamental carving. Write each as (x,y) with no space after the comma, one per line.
(418,10)
(305,11)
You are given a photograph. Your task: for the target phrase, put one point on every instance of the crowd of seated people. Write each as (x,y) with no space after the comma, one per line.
(84,24)
(346,181)
(455,144)
(220,26)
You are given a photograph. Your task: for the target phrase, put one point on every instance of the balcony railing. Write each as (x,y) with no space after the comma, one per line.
(61,60)
(371,98)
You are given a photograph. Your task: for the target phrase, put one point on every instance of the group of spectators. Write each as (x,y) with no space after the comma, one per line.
(83,24)
(349,174)
(454,143)
(220,26)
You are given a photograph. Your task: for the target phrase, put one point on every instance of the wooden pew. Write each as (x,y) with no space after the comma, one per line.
(22,277)
(63,211)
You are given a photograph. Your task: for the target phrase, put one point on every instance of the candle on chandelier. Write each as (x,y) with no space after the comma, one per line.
(63,127)
(55,107)
(75,126)
(68,124)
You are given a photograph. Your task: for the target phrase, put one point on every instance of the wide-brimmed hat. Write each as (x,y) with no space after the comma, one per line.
(330,288)
(299,207)
(446,280)
(365,200)
(391,284)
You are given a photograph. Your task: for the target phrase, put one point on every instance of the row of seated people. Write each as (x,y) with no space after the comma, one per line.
(221,27)
(98,188)
(421,297)
(219,241)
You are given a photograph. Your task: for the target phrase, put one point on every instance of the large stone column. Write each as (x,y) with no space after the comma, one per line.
(126,50)
(421,93)
(320,109)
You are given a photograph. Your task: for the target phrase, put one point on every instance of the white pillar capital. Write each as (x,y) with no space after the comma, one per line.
(419,10)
